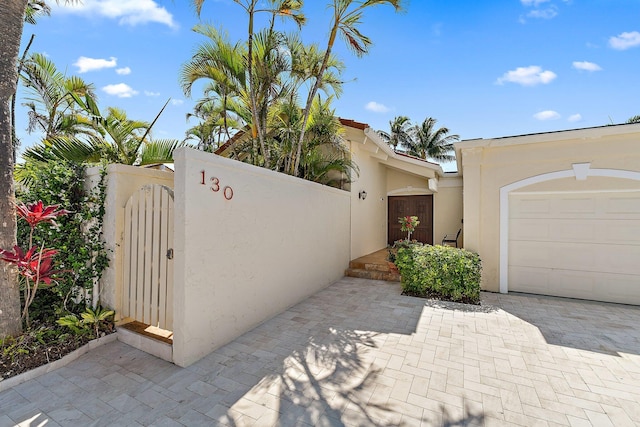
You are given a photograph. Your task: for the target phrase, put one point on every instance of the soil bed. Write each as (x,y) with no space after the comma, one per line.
(38,346)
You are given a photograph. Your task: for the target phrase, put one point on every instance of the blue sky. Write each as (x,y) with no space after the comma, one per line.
(482,68)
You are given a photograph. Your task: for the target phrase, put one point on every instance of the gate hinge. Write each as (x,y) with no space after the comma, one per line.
(170,253)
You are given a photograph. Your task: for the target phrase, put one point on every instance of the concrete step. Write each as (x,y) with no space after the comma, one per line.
(157,347)
(356,265)
(388,276)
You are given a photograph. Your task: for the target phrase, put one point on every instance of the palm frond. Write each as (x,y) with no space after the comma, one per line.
(159,151)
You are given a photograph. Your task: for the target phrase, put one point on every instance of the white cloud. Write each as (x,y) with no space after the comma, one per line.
(534,3)
(548,13)
(376,107)
(625,40)
(129,12)
(546,115)
(123,71)
(121,90)
(527,76)
(586,66)
(575,118)
(85,64)
(149,93)
(177,102)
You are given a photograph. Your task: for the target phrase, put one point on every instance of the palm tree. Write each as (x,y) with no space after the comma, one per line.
(282,8)
(117,139)
(347,16)
(431,143)
(12,20)
(325,159)
(399,132)
(35,9)
(51,99)
(634,119)
(222,65)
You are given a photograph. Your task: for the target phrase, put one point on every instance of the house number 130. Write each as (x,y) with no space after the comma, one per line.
(227,191)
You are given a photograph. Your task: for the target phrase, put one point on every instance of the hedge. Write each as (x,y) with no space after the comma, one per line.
(440,271)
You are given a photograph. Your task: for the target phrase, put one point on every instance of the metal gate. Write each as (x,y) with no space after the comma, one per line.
(148,254)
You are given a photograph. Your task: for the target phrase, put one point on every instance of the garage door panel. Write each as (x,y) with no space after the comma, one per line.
(617,259)
(593,205)
(570,256)
(530,229)
(625,232)
(618,288)
(620,204)
(575,206)
(623,259)
(576,230)
(529,279)
(582,245)
(531,206)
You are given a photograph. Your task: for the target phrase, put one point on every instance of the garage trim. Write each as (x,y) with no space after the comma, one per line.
(579,170)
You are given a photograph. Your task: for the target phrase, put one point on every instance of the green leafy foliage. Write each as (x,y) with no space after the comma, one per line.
(441,272)
(76,236)
(39,345)
(90,321)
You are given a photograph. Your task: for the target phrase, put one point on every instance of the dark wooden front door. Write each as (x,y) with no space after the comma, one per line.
(420,206)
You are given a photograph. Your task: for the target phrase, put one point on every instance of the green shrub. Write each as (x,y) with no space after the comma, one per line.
(392,250)
(77,236)
(441,272)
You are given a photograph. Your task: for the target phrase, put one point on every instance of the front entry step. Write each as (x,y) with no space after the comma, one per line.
(373,266)
(148,339)
(389,276)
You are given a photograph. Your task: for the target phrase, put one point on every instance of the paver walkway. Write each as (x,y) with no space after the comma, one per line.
(360,354)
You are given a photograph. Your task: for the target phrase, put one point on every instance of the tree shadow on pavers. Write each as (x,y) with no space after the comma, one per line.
(469,419)
(326,382)
(315,363)
(598,327)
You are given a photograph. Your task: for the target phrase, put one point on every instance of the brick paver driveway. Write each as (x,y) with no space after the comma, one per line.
(360,354)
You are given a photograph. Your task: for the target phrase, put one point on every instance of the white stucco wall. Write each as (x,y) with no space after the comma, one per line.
(447,209)
(368,216)
(239,262)
(122,182)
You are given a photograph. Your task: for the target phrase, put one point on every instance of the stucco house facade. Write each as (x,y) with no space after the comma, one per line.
(556,213)
(389,185)
(394,185)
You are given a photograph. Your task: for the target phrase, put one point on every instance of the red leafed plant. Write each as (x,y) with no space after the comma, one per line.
(36,213)
(36,266)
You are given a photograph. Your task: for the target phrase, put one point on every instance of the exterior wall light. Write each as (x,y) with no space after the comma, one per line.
(362,195)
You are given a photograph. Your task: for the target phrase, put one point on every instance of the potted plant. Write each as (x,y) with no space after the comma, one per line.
(408,224)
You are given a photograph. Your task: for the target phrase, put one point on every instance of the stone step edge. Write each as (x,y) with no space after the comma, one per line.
(372,275)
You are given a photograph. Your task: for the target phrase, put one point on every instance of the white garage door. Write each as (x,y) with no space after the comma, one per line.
(579,245)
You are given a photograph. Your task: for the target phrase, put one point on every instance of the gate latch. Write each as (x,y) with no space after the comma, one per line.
(170,253)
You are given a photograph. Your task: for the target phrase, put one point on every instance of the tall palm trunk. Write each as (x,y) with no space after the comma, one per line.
(257,125)
(11,23)
(312,95)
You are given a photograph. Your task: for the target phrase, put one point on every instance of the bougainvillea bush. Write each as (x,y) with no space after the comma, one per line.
(441,272)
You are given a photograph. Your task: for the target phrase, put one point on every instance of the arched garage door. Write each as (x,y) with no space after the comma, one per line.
(580,245)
